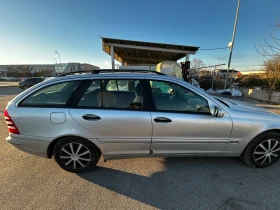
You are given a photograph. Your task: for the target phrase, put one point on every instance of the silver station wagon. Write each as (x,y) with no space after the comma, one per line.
(121,114)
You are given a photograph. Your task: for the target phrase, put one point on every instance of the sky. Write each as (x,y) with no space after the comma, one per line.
(32,30)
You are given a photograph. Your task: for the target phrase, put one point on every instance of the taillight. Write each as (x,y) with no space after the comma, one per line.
(11,125)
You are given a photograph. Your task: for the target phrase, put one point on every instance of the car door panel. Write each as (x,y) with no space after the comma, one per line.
(182,122)
(190,133)
(120,131)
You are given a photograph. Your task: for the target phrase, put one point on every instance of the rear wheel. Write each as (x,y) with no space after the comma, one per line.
(76,154)
(263,151)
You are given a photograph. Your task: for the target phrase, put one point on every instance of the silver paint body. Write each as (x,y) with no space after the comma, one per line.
(123,133)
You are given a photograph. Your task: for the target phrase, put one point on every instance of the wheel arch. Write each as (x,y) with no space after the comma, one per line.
(53,143)
(260,134)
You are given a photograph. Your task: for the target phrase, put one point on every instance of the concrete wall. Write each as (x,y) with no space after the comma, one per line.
(261,95)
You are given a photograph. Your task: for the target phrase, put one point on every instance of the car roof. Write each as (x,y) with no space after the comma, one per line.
(109,73)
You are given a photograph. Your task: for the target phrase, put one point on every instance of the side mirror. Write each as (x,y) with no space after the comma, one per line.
(218,112)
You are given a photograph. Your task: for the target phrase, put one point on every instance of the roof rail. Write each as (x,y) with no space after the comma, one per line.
(125,71)
(76,72)
(111,71)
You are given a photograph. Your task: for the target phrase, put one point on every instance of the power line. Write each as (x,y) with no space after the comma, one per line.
(248,61)
(239,61)
(249,66)
(217,48)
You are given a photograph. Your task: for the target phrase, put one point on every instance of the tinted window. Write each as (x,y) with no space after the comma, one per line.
(91,98)
(56,94)
(122,94)
(30,80)
(173,97)
(39,79)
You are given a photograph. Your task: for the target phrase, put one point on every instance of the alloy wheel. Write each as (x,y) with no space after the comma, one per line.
(75,155)
(267,151)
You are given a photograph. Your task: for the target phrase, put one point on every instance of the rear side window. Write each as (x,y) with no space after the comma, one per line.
(39,79)
(121,85)
(28,80)
(53,95)
(91,98)
(116,94)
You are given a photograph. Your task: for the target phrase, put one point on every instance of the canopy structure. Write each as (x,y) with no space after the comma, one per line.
(129,52)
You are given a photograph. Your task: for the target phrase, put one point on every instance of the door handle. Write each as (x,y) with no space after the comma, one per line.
(91,117)
(162,120)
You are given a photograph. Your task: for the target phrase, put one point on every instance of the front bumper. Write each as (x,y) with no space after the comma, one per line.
(31,144)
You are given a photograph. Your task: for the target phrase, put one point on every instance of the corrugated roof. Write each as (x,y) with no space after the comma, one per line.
(139,52)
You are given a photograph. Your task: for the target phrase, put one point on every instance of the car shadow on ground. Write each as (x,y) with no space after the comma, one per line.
(193,183)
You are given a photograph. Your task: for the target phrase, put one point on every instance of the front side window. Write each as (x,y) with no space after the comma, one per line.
(172,97)
(120,94)
(53,95)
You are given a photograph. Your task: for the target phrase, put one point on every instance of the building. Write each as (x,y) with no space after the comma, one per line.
(62,68)
(54,68)
(253,72)
(204,73)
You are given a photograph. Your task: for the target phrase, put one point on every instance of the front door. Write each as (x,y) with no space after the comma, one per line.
(182,123)
(115,112)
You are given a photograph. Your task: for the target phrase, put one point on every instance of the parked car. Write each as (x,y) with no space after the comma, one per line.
(76,118)
(29,82)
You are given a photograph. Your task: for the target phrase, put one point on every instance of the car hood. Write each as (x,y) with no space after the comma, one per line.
(239,105)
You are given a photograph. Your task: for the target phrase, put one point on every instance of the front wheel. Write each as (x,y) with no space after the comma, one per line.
(263,151)
(76,155)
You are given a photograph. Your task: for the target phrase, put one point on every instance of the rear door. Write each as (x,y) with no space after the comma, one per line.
(117,114)
(183,124)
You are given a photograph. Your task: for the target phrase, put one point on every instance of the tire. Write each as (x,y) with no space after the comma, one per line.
(24,87)
(263,151)
(82,157)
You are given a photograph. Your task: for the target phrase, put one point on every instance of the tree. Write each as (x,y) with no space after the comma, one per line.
(196,65)
(45,72)
(270,51)
(19,71)
(272,67)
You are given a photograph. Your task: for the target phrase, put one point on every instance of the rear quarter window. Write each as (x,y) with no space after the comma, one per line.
(52,95)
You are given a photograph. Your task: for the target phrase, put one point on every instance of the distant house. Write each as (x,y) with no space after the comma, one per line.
(205,73)
(231,73)
(253,72)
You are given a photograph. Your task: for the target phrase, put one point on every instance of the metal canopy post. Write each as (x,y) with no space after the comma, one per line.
(112,57)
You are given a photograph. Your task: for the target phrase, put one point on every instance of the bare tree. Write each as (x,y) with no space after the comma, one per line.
(270,51)
(45,72)
(272,67)
(196,66)
(12,71)
(19,70)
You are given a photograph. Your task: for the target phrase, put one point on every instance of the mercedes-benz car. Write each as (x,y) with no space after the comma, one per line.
(124,114)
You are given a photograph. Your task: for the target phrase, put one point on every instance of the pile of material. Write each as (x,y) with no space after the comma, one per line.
(232,92)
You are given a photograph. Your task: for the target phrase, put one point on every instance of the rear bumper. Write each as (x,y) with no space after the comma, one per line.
(31,144)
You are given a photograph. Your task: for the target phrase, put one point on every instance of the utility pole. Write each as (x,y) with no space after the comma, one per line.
(232,42)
